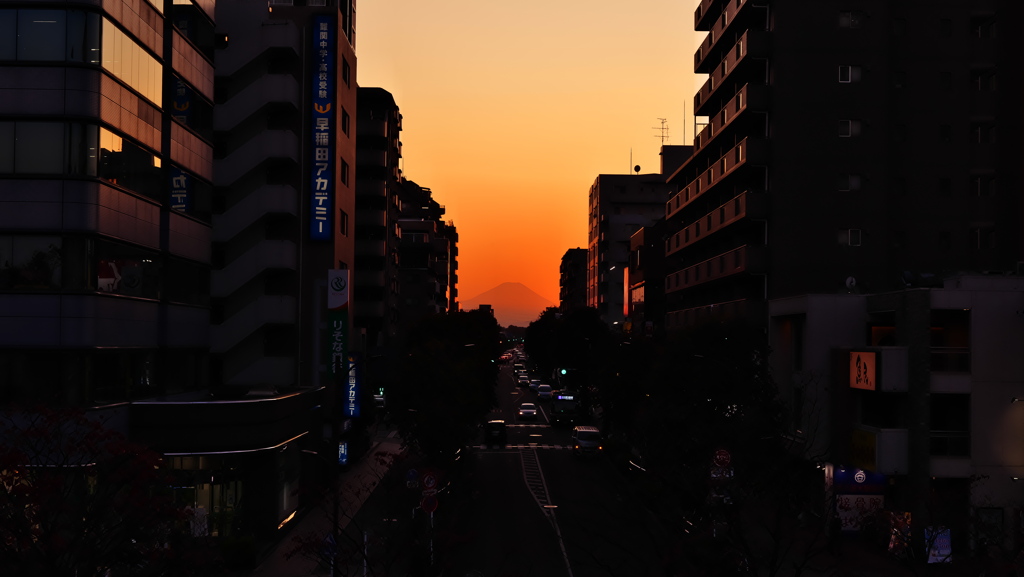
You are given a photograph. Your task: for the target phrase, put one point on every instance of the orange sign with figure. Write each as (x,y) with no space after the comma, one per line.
(862,370)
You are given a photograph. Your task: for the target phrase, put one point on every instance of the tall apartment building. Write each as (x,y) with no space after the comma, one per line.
(855,198)
(286,154)
(620,204)
(428,257)
(105,201)
(378,178)
(858,148)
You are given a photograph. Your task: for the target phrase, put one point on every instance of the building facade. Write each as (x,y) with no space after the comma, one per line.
(105,200)
(864,164)
(619,205)
(919,386)
(572,280)
(378,177)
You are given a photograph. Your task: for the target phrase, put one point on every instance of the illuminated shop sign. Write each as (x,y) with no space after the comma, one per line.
(351,402)
(862,370)
(322,178)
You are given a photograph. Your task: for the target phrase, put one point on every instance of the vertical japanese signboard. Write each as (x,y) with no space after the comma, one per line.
(323,114)
(352,387)
(180,197)
(337,322)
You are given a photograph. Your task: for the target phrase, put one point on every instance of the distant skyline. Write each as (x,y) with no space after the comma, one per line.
(511,111)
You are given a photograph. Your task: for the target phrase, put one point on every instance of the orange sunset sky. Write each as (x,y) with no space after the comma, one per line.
(510,110)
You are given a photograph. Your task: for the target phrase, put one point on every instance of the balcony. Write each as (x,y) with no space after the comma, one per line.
(736,261)
(749,97)
(742,206)
(717,312)
(751,45)
(719,30)
(701,17)
(749,150)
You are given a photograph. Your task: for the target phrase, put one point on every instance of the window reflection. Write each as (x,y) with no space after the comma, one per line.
(49,35)
(126,60)
(38,147)
(41,34)
(30,262)
(126,164)
(125,270)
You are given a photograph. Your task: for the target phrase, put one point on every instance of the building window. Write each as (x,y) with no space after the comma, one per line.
(849,182)
(983,238)
(983,133)
(850,19)
(848,128)
(346,72)
(343,222)
(982,184)
(346,121)
(950,423)
(344,172)
(853,237)
(983,27)
(983,80)
(849,73)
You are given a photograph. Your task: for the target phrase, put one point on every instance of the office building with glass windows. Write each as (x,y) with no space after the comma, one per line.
(157,259)
(106,168)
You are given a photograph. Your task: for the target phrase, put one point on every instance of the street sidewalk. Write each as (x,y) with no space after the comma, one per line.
(355,486)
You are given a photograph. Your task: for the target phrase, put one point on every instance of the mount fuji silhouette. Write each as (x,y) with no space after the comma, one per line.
(513,304)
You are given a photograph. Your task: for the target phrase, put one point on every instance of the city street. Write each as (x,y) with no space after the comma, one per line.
(528,509)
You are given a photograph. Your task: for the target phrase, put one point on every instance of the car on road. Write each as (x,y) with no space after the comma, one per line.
(528,411)
(544,392)
(534,383)
(586,441)
(495,433)
(523,381)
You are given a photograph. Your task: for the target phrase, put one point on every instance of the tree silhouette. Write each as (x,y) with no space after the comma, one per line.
(77,498)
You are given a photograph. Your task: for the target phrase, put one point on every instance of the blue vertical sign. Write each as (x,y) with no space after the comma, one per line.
(323,113)
(352,387)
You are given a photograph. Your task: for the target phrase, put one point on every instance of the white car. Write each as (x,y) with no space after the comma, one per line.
(527,411)
(544,392)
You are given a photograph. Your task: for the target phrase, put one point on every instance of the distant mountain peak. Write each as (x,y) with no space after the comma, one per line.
(513,303)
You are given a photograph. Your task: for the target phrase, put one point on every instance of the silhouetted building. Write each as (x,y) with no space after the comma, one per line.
(572,280)
(646,281)
(855,205)
(864,164)
(427,254)
(378,178)
(620,204)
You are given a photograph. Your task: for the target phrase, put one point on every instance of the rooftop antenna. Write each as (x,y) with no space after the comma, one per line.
(663,131)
